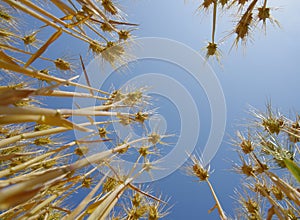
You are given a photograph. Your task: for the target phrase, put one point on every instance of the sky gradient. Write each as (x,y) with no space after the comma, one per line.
(266,69)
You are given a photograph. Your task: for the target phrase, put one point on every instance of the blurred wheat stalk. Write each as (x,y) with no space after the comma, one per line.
(38,172)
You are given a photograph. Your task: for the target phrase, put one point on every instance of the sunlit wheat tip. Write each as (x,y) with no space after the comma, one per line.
(124,119)
(87,182)
(260,168)
(141,117)
(133,98)
(123,150)
(273,125)
(262,189)
(62,64)
(245,143)
(102,132)
(30,39)
(4,15)
(41,127)
(50,163)
(291,214)
(136,200)
(109,6)
(223,2)
(243,27)
(144,151)
(251,206)
(42,141)
(87,10)
(263,13)
(246,168)
(157,211)
(153,213)
(81,16)
(136,213)
(240,2)
(278,194)
(267,147)
(113,52)
(124,34)
(96,47)
(110,184)
(82,150)
(206,4)
(247,146)
(106,27)
(154,138)
(294,132)
(211,49)
(198,170)
(116,96)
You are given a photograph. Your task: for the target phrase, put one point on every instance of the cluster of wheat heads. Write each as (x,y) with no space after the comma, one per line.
(40,170)
(249,14)
(269,160)
(269,164)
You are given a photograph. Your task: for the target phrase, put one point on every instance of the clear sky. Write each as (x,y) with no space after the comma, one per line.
(268,69)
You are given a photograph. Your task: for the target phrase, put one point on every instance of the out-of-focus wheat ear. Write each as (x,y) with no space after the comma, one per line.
(47,21)
(40,158)
(10,156)
(290,192)
(12,170)
(44,203)
(19,198)
(83,204)
(29,135)
(42,49)
(265,193)
(11,96)
(15,49)
(7,58)
(39,75)
(29,11)
(243,27)
(63,7)
(109,201)
(40,10)
(25,190)
(42,119)
(99,12)
(96,158)
(59,93)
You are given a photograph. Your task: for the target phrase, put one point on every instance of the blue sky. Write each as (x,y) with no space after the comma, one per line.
(267,69)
